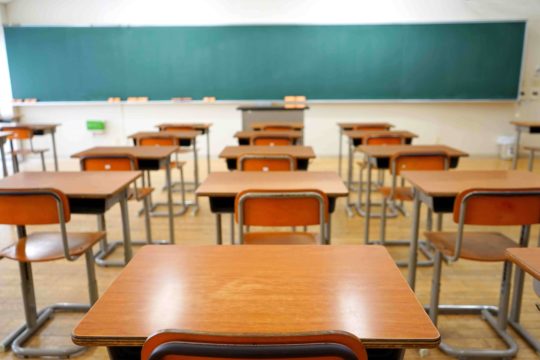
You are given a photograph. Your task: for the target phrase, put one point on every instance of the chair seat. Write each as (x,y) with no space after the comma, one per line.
(280,238)
(478,246)
(47,246)
(400,193)
(141,193)
(24,152)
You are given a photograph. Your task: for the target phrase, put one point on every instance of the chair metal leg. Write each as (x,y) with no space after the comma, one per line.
(531,161)
(487,313)
(35,320)
(147,223)
(42,155)
(219,234)
(232,229)
(91,275)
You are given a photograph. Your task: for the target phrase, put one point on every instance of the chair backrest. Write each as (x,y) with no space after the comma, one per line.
(410,161)
(33,207)
(387,139)
(176,345)
(275,162)
(120,162)
(281,207)
(178,128)
(157,141)
(278,127)
(20,133)
(274,140)
(498,207)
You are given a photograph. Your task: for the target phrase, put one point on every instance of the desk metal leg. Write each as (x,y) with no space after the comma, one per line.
(350,205)
(195,164)
(368,204)
(519,277)
(169,200)
(531,161)
(340,150)
(4,165)
(14,159)
(128,252)
(219,235)
(55,155)
(413,253)
(232,229)
(516,148)
(208,150)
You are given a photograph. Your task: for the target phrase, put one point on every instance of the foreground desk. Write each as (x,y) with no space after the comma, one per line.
(438,190)
(302,154)
(41,129)
(531,127)
(259,289)
(88,193)
(222,187)
(527,259)
(186,138)
(204,129)
(378,157)
(148,158)
(357,126)
(245,137)
(360,137)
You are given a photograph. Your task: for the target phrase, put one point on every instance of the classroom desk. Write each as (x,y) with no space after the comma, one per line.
(356,126)
(527,259)
(186,138)
(438,190)
(378,157)
(148,158)
(204,128)
(302,154)
(245,137)
(41,129)
(92,192)
(532,127)
(359,137)
(3,140)
(222,187)
(259,289)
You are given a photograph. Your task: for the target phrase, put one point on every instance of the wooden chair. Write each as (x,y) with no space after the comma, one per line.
(119,163)
(167,141)
(281,208)
(24,133)
(407,161)
(42,207)
(379,139)
(177,345)
(483,207)
(271,140)
(276,162)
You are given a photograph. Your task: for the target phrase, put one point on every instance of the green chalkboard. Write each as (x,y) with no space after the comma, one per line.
(405,61)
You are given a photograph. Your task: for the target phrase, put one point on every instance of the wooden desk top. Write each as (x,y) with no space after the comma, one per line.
(139,152)
(534,148)
(198,126)
(365,125)
(259,289)
(187,134)
(526,123)
(387,151)
(258,125)
(296,151)
(360,134)
(75,184)
(293,134)
(526,258)
(450,183)
(225,184)
(42,127)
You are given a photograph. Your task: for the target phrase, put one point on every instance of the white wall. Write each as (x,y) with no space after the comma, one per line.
(470,126)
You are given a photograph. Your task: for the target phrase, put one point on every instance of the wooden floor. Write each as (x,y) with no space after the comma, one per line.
(463,283)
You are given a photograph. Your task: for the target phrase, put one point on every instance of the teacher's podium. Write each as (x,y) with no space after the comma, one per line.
(289,112)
